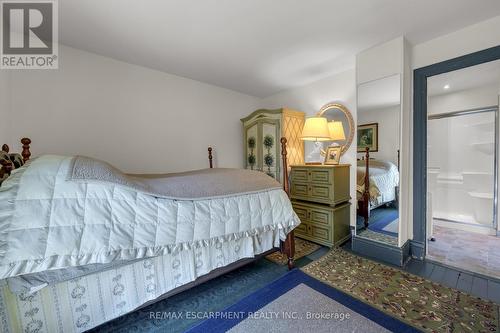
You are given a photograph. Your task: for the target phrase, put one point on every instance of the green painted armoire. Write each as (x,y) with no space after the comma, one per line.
(262,131)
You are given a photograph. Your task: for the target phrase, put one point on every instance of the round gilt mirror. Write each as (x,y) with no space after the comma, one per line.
(338,113)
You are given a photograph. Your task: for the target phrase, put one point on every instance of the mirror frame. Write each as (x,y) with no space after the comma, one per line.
(350,120)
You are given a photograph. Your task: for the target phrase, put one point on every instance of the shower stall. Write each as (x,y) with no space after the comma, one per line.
(462,168)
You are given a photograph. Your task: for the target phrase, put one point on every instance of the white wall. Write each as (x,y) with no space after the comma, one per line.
(5,101)
(138,119)
(380,61)
(388,131)
(470,39)
(339,88)
(463,100)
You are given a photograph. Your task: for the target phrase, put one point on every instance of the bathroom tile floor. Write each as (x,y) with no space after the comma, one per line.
(473,252)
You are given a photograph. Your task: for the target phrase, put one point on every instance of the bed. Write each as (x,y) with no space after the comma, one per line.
(377,184)
(133,244)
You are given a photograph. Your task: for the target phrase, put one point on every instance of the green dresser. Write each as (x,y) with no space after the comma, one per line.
(321,198)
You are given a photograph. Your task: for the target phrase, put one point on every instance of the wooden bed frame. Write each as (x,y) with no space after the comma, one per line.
(288,246)
(7,167)
(364,204)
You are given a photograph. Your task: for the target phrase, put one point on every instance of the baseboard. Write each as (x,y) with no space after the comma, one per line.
(405,249)
(393,255)
(417,250)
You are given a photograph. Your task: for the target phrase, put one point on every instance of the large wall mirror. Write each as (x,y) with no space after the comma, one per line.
(378,136)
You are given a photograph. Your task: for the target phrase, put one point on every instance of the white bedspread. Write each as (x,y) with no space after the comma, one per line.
(384,177)
(48,222)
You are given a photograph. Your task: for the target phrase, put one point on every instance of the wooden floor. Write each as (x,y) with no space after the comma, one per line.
(476,285)
(480,286)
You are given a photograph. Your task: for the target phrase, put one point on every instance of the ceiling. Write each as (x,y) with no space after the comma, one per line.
(257,47)
(487,74)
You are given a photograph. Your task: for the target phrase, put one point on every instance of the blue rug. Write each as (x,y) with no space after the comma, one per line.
(379,219)
(237,313)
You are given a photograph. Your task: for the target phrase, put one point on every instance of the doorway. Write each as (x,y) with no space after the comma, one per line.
(456,163)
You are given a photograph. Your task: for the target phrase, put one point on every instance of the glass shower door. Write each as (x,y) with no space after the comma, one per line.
(461,167)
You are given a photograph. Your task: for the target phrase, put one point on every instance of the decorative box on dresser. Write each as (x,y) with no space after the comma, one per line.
(321,198)
(262,131)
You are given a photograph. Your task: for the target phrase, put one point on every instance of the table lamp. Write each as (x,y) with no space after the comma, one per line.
(336,130)
(316,129)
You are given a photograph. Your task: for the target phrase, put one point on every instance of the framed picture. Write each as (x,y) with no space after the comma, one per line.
(332,156)
(368,137)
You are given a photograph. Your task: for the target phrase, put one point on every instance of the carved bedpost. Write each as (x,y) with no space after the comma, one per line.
(289,244)
(366,192)
(398,159)
(210,157)
(26,154)
(284,153)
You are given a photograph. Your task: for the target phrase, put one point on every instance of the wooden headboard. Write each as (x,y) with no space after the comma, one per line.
(6,167)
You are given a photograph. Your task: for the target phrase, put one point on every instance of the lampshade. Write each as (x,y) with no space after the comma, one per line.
(316,129)
(336,130)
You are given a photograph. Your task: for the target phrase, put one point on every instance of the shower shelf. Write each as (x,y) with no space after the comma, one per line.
(450,178)
(484,147)
(482,195)
(480,173)
(487,126)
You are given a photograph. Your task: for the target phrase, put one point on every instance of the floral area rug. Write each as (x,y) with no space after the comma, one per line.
(421,303)
(302,249)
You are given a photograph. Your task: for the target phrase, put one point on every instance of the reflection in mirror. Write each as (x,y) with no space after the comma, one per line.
(341,129)
(378,133)
(462,167)
(340,123)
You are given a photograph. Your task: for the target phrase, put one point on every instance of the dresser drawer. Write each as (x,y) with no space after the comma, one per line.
(321,233)
(299,190)
(320,216)
(302,212)
(310,175)
(312,192)
(321,223)
(321,184)
(302,230)
(314,214)
(300,175)
(320,193)
(323,176)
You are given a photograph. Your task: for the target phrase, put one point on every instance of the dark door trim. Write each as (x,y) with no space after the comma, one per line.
(420,136)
